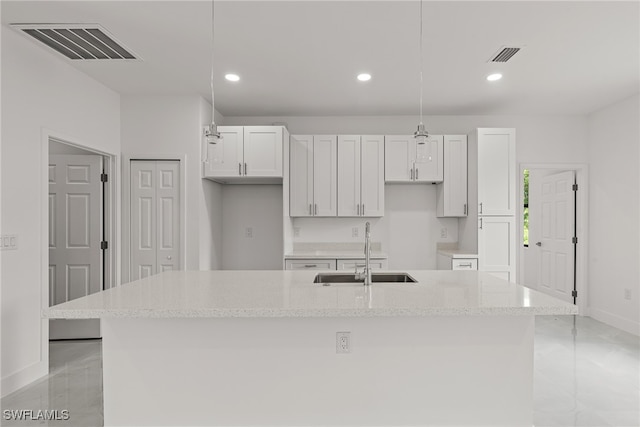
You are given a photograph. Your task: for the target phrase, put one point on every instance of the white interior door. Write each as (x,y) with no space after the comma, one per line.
(75,233)
(155,217)
(556,232)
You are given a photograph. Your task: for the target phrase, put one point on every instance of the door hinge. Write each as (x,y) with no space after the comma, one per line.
(575,187)
(104,177)
(574,240)
(574,293)
(104,245)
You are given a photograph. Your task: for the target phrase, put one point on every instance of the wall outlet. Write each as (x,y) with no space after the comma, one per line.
(443,233)
(354,232)
(296,231)
(8,242)
(343,342)
(627,293)
(248,232)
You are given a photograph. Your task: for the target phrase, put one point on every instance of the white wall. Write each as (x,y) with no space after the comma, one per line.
(614,216)
(172,126)
(258,207)
(40,93)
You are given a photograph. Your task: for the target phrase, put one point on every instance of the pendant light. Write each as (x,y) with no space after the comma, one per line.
(212,134)
(421,134)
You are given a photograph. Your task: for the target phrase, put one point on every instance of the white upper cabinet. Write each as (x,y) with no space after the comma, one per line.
(245,151)
(372,175)
(496,172)
(313,171)
(360,175)
(263,151)
(224,158)
(408,161)
(428,166)
(452,192)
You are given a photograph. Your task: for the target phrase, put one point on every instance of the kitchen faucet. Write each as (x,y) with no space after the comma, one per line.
(366,273)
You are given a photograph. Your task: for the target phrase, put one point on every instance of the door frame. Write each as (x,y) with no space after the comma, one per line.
(582,221)
(111,220)
(126,205)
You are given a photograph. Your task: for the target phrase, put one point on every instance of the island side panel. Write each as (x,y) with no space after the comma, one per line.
(457,370)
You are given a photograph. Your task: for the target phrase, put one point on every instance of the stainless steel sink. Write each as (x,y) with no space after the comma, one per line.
(375,278)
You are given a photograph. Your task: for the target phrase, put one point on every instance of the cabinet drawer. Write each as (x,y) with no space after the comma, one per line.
(350,264)
(464,264)
(310,264)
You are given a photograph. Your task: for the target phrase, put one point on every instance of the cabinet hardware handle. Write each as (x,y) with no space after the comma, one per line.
(245,168)
(417,174)
(465,208)
(480,223)
(310,265)
(358,209)
(316,209)
(239,168)
(411,174)
(310,209)
(480,207)
(363,209)
(465,265)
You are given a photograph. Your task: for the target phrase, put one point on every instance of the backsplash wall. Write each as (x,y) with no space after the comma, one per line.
(408,232)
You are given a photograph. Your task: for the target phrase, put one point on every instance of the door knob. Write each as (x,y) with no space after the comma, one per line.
(168,256)
(538,243)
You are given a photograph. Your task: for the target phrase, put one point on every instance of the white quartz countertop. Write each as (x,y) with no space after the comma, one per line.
(457,253)
(344,254)
(279,293)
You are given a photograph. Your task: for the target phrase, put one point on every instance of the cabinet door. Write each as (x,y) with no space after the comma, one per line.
(351,264)
(372,175)
(497,246)
(452,193)
(349,203)
(263,151)
(224,158)
(429,160)
(310,264)
(325,163)
(301,175)
(399,155)
(496,172)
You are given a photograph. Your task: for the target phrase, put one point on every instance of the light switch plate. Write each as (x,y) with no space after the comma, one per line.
(8,242)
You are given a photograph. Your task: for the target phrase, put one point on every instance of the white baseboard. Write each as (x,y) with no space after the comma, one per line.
(615,321)
(25,376)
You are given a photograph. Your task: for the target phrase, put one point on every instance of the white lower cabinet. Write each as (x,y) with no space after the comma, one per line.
(351,264)
(348,264)
(496,251)
(310,264)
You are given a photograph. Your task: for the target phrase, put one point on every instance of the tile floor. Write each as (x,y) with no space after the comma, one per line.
(586,374)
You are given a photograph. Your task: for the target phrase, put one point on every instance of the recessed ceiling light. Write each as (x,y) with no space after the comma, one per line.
(364,77)
(494,77)
(232,77)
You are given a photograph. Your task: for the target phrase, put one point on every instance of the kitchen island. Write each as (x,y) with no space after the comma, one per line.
(260,348)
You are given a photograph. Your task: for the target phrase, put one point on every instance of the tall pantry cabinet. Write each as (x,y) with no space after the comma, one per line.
(491,223)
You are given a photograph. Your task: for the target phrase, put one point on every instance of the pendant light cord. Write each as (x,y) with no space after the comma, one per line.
(213,16)
(421,81)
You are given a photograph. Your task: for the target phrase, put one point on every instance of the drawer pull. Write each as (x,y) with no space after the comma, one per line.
(465,265)
(310,265)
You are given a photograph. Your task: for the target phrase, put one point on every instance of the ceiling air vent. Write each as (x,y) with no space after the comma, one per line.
(504,54)
(77,41)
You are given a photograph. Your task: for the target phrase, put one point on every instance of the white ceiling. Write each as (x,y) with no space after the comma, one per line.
(301,57)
